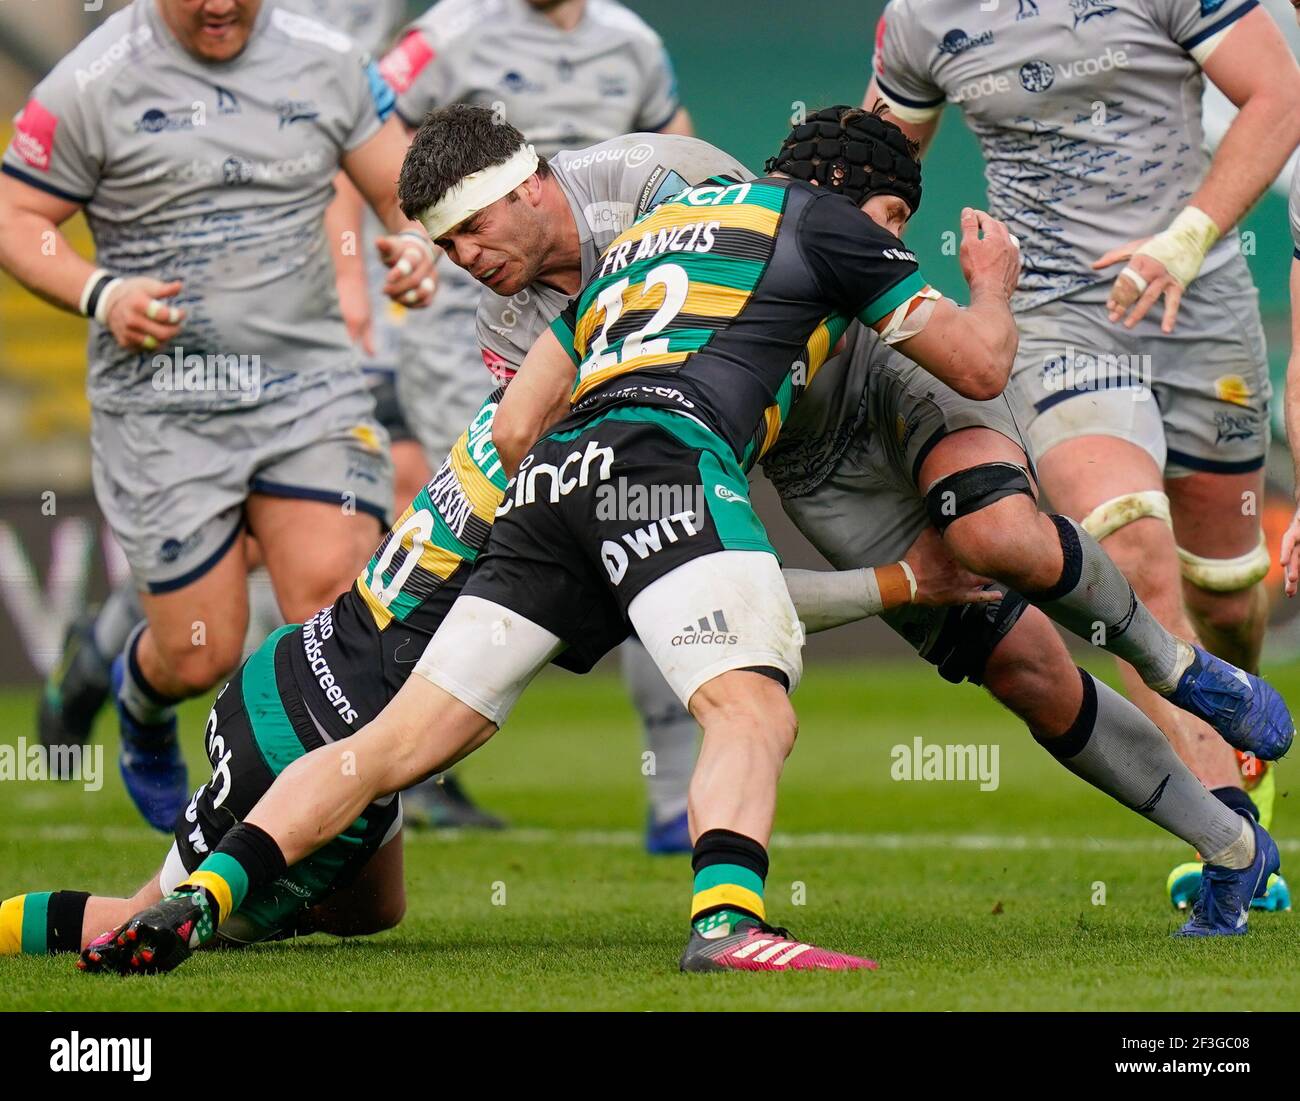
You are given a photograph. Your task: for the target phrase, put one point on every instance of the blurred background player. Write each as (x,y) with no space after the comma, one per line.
(1093,159)
(568,74)
(225,393)
(78,685)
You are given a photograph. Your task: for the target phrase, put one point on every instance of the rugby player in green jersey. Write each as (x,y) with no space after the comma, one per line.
(768,271)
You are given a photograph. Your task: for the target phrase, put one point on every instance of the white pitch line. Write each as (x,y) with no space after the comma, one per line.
(966,842)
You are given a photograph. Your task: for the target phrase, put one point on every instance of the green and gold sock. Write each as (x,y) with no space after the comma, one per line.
(246,858)
(42,923)
(730,870)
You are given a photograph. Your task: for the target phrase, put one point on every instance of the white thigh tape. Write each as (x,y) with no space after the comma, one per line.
(1109,516)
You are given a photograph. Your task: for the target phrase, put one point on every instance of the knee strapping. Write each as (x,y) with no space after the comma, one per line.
(1217,575)
(972,489)
(1109,516)
(1226,575)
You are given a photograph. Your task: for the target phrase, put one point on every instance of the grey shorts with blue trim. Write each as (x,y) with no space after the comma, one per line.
(1196,400)
(172,486)
(870,507)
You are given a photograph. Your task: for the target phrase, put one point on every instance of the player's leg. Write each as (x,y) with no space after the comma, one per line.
(78,686)
(980,496)
(1217,526)
(1106,741)
(171,489)
(372,903)
(274,812)
(320,498)
(671,742)
(440,386)
(42,923)
(1215,406)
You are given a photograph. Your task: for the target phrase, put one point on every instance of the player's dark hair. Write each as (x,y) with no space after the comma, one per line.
(451,143)
(853,152)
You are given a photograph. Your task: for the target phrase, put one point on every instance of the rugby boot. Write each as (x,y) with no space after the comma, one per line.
(1223,901)
(152,766)
(1248,713)
(441,802)
(756,946)
(159,938)
(75,689)
(668,837)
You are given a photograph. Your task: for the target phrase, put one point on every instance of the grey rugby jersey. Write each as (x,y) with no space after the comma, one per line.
(214,174)
(1088,113)
(370,22)
(608,186)
(562,89)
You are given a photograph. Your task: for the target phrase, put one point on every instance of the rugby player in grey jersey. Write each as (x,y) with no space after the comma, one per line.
(201,139)
(1152,433)
(1094,732)
(568,74)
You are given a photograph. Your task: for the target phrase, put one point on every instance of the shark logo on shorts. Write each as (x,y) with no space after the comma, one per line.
(1235,426)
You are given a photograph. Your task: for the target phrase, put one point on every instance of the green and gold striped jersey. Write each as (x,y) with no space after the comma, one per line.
(725,300)
(356,654)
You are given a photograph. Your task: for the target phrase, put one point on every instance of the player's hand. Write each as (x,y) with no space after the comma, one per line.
(1290,556)
(1136,288)
(989,254)
(410,259)
(139,315)
(940,579)
(358,316)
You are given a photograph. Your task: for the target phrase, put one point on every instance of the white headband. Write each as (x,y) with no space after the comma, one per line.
(477,190)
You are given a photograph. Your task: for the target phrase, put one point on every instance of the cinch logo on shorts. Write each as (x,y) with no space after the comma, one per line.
(34,135)
(562,479)
(706,633)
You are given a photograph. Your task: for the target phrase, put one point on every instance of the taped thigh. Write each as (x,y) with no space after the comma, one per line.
(485,655)
(967,491)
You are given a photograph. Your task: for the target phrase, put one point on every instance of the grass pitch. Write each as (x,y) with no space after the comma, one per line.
(1040,894)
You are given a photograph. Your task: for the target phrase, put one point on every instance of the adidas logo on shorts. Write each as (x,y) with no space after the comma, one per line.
(710,630)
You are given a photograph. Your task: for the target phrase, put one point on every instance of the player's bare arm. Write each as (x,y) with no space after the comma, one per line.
(373,167)
(1255,69)
(135,310)
(920,127)
(972,349)
(679,124)
(343,227)
(536,398)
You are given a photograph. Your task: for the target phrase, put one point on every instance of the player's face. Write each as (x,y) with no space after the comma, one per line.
(214,30)
(889,212)
(501,246)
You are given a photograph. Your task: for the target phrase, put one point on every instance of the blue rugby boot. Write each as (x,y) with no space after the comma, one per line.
(152,766)
(1226,894)
(1248,712)
(668,837)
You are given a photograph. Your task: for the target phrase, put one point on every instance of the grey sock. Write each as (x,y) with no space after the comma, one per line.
(1118,750)
(671,735)
(142,701)
(116,619)
(1095,601)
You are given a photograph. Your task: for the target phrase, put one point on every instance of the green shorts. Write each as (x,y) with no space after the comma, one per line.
(258,726)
